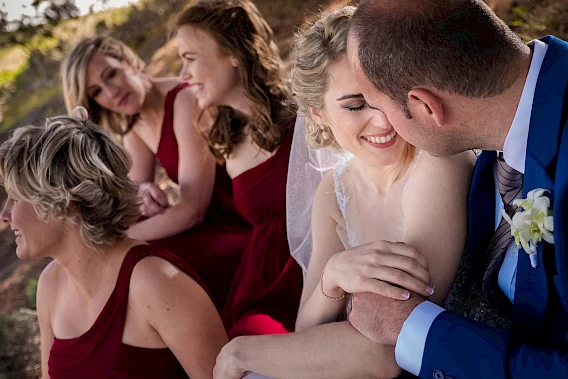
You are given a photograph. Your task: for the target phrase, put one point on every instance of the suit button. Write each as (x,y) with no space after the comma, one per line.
(438,374)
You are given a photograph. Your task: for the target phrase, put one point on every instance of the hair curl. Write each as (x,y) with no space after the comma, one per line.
(315,51)
(71,168)
(73,73)
(240,30)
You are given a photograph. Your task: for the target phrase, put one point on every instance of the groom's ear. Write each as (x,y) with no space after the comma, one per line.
(426,107)
(317,116)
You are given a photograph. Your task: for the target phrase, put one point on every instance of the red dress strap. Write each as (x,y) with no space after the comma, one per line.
(98,352)
(168,147)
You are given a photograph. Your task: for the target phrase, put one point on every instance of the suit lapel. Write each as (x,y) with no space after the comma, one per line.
(546,115)
(531,288)
(531,292)
(481,212)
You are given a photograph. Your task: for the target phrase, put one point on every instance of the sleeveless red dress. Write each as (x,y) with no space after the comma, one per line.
(215,247)
(99,352)
(265,296)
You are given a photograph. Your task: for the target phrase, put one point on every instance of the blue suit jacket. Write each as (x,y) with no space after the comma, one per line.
(537,345)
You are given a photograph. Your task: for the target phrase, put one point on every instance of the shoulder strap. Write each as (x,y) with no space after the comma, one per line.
(168,122)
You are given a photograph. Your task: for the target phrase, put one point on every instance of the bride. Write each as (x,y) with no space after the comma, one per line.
(366,214)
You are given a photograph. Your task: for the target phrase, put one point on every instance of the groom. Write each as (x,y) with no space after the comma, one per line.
(450,76)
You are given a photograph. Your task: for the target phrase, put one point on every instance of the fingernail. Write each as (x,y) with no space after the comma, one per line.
(406,295)
(429,290)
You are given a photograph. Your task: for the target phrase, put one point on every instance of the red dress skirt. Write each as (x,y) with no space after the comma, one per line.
(265,294)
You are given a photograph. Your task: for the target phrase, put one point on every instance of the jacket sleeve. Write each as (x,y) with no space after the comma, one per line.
(462,348)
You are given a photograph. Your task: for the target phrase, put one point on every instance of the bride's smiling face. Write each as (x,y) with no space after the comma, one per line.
(363,131)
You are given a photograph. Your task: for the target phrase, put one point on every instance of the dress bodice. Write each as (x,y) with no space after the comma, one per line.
(99,352)
(354,231)
(222,208)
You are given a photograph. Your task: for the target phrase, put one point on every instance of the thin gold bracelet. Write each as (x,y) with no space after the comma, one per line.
(324,294)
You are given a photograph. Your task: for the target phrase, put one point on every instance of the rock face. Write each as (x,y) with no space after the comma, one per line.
(19,345)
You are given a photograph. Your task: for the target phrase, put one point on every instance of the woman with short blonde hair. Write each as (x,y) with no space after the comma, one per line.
(108,305)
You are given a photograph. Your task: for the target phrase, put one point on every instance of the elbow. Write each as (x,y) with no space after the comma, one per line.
(191,221)
(193,216)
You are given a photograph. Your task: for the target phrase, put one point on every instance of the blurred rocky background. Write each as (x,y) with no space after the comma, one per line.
(36,36)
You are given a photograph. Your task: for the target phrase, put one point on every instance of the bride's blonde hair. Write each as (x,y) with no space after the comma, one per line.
(316,50)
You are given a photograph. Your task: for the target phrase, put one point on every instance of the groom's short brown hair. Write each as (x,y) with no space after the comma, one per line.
(458,46)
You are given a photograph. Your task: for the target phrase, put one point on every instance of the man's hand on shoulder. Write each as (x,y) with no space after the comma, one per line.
(380,318)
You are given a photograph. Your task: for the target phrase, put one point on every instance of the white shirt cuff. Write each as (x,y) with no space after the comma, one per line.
(409,348)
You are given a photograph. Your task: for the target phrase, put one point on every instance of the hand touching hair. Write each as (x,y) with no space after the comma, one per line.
(71,168)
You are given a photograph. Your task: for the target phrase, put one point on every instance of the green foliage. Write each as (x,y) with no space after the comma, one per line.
(7,323)
(33,90)
(13,61)
(8,77)
(529,25)
(31,291)
(23,103)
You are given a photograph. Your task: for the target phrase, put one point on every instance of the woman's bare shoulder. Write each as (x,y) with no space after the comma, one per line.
(48,283)
(157,278)
(435,173)
(440,178)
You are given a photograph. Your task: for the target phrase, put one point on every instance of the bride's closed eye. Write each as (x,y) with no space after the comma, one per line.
(355,109)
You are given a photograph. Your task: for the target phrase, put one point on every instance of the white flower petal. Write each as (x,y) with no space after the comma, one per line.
(548,223)
(506,217)
(548,237)
(542,204)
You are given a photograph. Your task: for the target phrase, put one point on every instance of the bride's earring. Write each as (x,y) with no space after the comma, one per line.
(324,134)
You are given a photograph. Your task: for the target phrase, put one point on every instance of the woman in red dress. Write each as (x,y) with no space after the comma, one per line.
(108,306)
(155,117)
(231,62)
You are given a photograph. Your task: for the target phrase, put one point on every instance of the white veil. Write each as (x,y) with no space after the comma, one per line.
(306,169)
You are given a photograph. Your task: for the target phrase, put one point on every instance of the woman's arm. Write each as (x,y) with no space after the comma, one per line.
(435,215)
(143,159)
(181,313)
(367,268)
(154,200)
(316,309)
(196,178)
(45,287)
(331,351)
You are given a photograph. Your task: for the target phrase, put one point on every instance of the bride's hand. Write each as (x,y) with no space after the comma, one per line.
(378,267)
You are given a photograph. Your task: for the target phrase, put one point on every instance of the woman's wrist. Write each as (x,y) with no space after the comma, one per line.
(238,353)
(328,287)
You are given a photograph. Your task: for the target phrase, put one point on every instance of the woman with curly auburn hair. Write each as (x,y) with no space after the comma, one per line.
(108,306)
(156,119)
(231,62)
(363,212)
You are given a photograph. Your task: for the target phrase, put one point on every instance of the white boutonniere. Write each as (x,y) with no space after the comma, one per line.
(533,224)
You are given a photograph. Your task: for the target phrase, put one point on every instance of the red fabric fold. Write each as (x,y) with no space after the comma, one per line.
(268,280)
